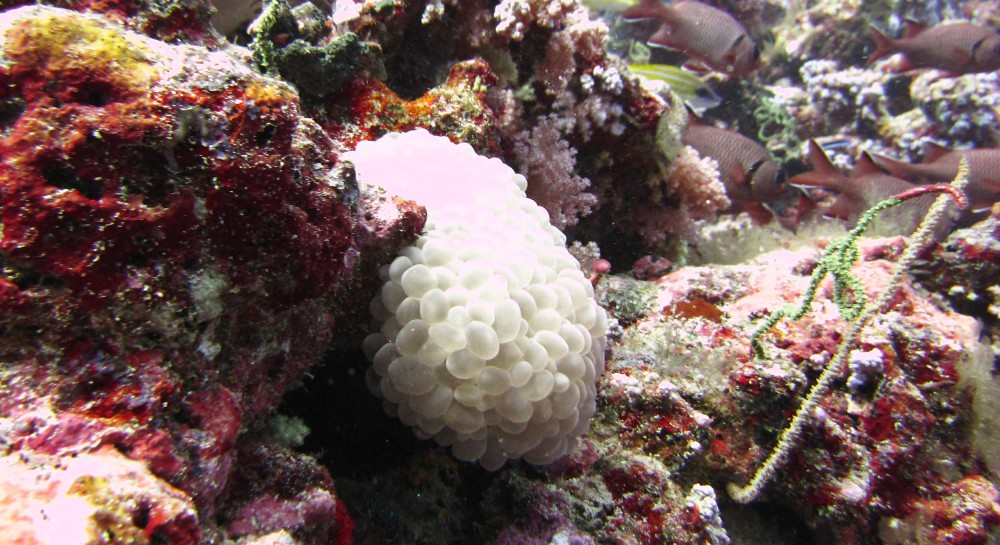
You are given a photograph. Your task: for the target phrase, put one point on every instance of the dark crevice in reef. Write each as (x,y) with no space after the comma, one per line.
(766,523)
(349,432)
(403,489)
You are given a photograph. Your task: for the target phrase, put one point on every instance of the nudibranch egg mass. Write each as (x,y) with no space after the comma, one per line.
(489,339)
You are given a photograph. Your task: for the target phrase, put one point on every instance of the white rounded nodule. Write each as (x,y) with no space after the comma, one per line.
(489,339)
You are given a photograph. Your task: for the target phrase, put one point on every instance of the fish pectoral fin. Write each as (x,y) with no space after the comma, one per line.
(843,208)
(739,175)
(759,213)
(663,37)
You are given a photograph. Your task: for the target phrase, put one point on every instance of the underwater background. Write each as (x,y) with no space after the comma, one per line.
(785,209)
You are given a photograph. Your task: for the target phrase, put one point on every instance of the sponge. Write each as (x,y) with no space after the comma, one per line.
(489,338)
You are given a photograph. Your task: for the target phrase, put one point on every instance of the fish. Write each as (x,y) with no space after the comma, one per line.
(959,48)
(233,15)
(684,83)
(795,212)
(713,39)
(940,165)
(608,5)
(865,187)
(746,169)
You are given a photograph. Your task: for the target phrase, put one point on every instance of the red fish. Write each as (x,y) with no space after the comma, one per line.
(792,215)
(746,169)
(864,188)
(710,36)
(940,165)
(960,48)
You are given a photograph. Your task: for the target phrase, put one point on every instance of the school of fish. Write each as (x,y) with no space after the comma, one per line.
(713,40)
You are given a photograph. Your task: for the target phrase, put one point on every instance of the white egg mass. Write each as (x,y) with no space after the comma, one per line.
(488,339)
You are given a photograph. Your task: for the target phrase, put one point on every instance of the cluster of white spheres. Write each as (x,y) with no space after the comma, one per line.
(488,339)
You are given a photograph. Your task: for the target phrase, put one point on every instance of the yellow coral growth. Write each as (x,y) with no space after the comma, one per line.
(67,44)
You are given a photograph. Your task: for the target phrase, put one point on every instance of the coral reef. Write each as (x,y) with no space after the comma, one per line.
(172,240)
(961,111)
(861,449)
(849,296)
(187,261)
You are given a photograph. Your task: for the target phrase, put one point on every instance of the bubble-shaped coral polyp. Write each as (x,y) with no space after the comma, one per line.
(490,339)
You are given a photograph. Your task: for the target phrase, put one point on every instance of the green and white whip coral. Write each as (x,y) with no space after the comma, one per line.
(849,296)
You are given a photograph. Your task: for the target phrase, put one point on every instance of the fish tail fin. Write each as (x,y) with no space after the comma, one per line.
(824,174)
(645,9)
(865,166)
(893,167)
(884,45)
(913,27)
(934,151)
(693,118)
